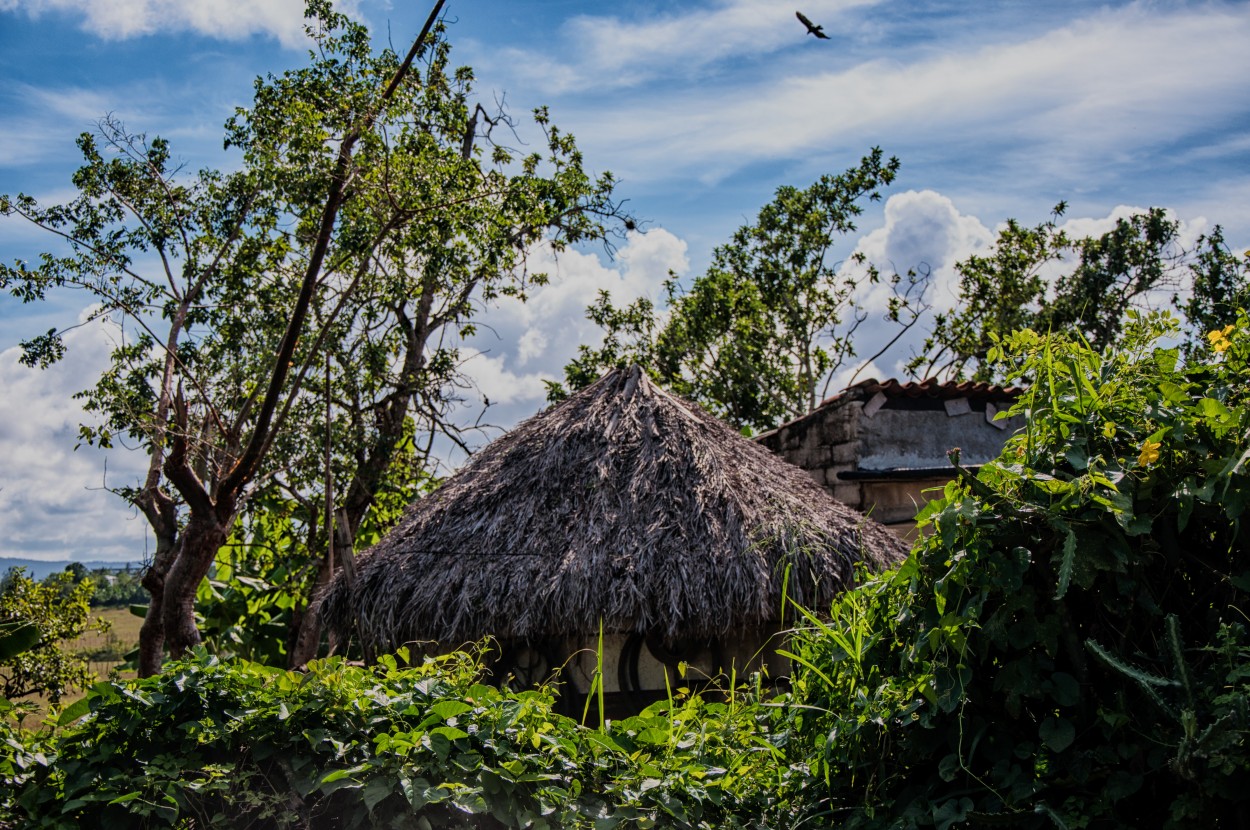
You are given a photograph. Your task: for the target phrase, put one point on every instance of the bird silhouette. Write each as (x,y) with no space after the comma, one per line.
(812,28)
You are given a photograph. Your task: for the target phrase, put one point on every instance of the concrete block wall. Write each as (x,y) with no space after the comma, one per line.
(823,446)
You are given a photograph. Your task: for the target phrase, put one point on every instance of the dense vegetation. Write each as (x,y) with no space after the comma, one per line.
(1067,647)
(228,745)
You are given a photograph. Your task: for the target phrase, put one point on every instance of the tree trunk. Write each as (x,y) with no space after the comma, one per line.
(162,515)
(202,538)
(177,577)
(152,632)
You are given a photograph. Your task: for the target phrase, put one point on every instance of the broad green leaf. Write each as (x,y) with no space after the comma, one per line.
(1057,733)
(450,708)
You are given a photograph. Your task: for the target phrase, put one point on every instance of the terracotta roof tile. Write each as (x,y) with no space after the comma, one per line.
(931,388)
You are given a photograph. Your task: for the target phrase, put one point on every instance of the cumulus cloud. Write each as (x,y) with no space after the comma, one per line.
(229,19)
(855,372)
(927,229)
(924,231)
(524,343)
(52,501)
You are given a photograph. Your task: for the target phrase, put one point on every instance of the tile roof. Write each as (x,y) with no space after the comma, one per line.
(931,388)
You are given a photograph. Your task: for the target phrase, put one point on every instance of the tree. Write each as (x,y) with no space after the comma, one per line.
(362,231)
(1220,287)
(59,609)
(1138,263)
(758,338)
(78,571)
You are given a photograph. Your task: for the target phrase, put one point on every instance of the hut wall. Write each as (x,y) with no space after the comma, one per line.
(896,503)
(896,439)
(744,655)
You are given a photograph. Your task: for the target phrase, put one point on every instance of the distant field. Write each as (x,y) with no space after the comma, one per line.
(104,651)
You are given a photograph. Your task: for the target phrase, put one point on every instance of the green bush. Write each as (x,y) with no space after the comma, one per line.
(1067,645)
(230,744)
(59,608)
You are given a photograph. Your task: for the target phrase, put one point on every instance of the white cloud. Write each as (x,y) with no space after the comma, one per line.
(923,230)
(860,370)
(228,19)
(611,51)
(1224,199)
(52,501)
(44,122)
(500,385)
(523,344)
(928,228)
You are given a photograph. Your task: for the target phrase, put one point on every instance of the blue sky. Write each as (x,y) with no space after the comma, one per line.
(701,109)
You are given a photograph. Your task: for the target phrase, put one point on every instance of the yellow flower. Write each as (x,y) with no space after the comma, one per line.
(1108,429)
(1149,452)
(1219,338)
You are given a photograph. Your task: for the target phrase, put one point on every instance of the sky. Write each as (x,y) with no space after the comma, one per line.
(701,109)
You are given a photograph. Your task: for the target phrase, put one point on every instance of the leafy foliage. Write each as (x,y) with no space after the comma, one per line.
(1067,646)
(58,609)
(117,588)
(759,336)
(227,744)
(1025,281)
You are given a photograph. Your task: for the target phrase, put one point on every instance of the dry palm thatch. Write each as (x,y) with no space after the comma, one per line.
(624,504)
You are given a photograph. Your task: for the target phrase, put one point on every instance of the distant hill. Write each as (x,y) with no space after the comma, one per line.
(37,569)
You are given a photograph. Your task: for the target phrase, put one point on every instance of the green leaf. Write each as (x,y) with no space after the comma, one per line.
(451,733)
(450,708)
(1214,410)
(377,791)
(125,799)
(340,774)
(1065,690)
(950,812)
(1057,733)
(1068,562)
(74,711)
(17,636)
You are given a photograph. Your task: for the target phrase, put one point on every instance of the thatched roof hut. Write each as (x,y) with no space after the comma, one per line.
(625,504)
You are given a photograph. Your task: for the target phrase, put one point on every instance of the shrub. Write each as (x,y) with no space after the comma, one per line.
(215,743)
(59,608)
(1067,645)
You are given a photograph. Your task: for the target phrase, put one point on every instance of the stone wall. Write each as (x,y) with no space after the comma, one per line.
(823,446)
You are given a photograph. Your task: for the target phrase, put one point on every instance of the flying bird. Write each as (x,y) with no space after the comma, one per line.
(812,28)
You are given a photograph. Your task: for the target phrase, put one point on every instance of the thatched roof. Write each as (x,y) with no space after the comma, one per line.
(625,504)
